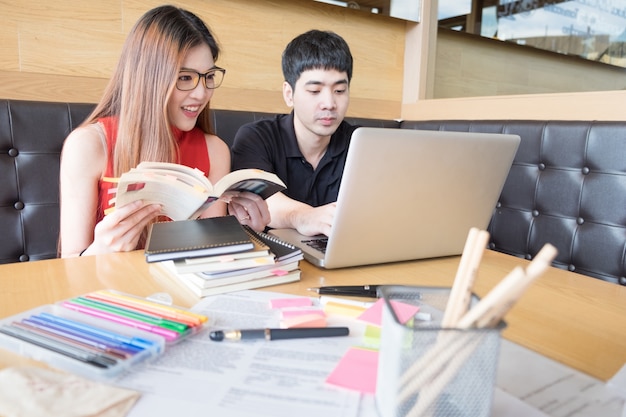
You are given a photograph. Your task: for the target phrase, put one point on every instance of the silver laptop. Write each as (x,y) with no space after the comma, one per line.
(410,194)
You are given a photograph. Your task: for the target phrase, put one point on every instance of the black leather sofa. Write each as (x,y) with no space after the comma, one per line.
(31,137)
(567,185)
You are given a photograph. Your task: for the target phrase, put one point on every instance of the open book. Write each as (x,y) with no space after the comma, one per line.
(186,192)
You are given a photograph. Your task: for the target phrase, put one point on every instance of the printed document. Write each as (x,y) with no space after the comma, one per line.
(285,378)
(200,377)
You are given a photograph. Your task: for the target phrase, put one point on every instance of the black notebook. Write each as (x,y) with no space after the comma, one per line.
(281,249)
(192,238)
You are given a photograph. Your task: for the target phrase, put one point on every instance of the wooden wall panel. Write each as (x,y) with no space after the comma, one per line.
(65,51)
(471,66)
(45,87)
(104,15)
(596,105)
(72,47)
(69,51)
(9,46)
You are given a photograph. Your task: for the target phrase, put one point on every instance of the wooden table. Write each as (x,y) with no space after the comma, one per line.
(574,319)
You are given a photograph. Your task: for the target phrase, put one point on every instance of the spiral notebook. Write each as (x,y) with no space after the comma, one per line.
(410,194)
(282,250)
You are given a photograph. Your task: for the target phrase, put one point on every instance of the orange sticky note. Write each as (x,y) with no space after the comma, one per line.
(308,320)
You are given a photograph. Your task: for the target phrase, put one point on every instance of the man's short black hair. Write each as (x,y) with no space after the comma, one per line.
(316,49)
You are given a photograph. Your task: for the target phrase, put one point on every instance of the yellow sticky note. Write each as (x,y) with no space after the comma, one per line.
(371,338)
(343,309)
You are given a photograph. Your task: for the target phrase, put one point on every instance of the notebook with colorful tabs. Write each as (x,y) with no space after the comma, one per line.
(410,194)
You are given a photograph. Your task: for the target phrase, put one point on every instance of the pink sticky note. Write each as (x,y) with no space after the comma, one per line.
(290,302)
(356,371)
(374,314)
(288,314)
(308,320)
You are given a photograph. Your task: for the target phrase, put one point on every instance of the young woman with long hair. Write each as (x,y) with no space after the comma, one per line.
(155,108)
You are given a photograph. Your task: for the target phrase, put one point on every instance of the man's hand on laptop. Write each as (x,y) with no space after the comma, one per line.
(288,213)
(315,220)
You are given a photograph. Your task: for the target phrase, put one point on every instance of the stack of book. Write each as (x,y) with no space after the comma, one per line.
(224,257)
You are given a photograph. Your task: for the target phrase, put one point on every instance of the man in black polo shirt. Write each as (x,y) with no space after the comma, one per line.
(307,148)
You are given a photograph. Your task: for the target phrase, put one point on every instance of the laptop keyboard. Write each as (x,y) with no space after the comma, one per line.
(318,243)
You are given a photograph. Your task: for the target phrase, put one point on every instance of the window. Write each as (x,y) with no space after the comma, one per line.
(591,29)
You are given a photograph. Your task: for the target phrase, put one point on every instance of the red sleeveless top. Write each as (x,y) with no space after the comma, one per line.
(193,152)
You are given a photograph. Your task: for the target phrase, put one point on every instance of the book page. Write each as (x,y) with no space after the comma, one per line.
(184,192)
(252,180)
(181,190)
(191,176)
(179,200)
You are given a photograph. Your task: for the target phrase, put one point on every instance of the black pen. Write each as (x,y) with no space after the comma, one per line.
(372,291)
(277,334)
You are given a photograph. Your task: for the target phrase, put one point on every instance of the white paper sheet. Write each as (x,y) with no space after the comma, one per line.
(200,377)
(553,388)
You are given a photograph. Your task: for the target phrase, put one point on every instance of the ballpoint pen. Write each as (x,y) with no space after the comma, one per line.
(276,334)
(349,290)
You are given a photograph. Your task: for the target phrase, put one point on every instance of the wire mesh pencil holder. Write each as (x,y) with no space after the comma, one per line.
(425,370)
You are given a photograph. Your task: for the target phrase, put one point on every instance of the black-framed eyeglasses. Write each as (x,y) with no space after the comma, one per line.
(189,79)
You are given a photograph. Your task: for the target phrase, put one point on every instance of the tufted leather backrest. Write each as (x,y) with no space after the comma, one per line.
(227,122)
(567,186)
(31,137)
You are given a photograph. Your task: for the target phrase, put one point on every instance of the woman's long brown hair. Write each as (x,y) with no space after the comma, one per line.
(143,81)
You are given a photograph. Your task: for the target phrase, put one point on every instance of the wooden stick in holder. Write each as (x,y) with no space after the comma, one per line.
(461,293)
(491,309)
(430,363)
(430,392)
(447,346)
(436,367)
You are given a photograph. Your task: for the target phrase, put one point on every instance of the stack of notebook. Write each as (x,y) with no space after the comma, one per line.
(238,257)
